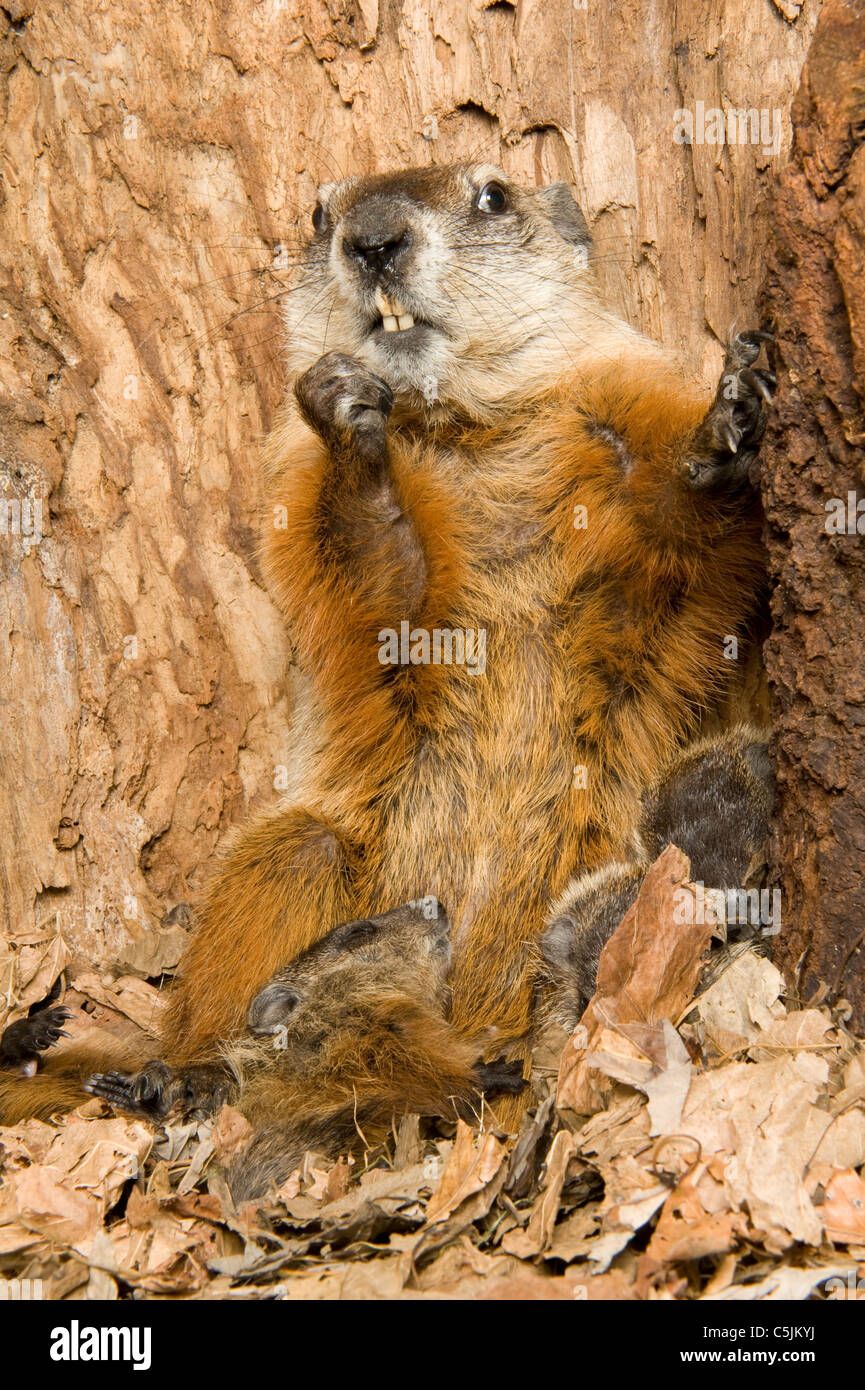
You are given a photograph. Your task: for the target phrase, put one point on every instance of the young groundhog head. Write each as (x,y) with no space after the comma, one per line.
(453,283)
(404,952)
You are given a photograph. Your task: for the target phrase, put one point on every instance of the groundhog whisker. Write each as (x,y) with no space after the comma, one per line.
(224,324)
(328,156)
(583,338)
(327,324)
(530,310)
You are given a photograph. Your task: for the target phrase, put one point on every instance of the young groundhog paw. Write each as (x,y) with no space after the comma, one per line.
(727,441)
(500,1077)
(23,1041)
(345,403)
(156,1090)
(145,1093)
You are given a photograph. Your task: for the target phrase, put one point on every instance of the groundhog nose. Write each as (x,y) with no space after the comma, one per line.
(377,251)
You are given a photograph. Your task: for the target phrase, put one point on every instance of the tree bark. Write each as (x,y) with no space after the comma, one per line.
(159,166)
(813,473)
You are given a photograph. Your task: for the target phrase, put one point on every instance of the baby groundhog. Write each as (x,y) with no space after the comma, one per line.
(713,802)
(349,1035)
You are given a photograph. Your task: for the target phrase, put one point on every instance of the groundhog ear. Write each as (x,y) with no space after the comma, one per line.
(353,934)
(557,943)
(559,206)
(271,1008)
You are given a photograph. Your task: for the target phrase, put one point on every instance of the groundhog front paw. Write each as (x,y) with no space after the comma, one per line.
(727,441)
(146,1093)
(22,1042)
(346,403)
(157,1090)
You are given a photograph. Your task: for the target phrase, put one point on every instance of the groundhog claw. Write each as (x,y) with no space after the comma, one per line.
(156,1090)
(500,1077)
(143,1093)
(727,440)
(23,1041)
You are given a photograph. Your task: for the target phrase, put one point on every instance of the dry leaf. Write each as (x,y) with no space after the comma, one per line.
(130,996)
(539,1232)
(744,999)
(230,1133)
(844,1208)
(784,1283)
(468,1170)
(648,971)
(687,1231)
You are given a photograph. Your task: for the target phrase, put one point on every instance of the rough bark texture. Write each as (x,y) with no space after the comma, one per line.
(159,164)
(812,455)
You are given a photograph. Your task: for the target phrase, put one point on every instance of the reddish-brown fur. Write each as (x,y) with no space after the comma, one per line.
(605,647)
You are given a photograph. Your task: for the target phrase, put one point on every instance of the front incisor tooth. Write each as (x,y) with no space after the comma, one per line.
(382,303)
(389,323)
(405,321)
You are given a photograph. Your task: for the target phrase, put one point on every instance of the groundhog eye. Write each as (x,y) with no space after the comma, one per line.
(492,198)
(319,218)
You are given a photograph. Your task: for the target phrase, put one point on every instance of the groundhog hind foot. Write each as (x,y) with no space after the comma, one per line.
(24,1041)
(158,1090)
(727,440)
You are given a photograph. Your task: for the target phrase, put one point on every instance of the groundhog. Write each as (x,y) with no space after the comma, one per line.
(350,1035)
(714,802)
(513,540)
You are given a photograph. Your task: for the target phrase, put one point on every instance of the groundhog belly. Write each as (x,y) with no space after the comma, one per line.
(479,817)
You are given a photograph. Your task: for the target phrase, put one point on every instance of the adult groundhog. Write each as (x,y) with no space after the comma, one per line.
(514,543)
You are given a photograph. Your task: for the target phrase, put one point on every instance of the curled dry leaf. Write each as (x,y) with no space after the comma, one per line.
(648,972)
(473,1163)
(539,1232)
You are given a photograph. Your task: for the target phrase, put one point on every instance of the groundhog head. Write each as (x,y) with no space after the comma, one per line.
(407,951)
(454,283)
